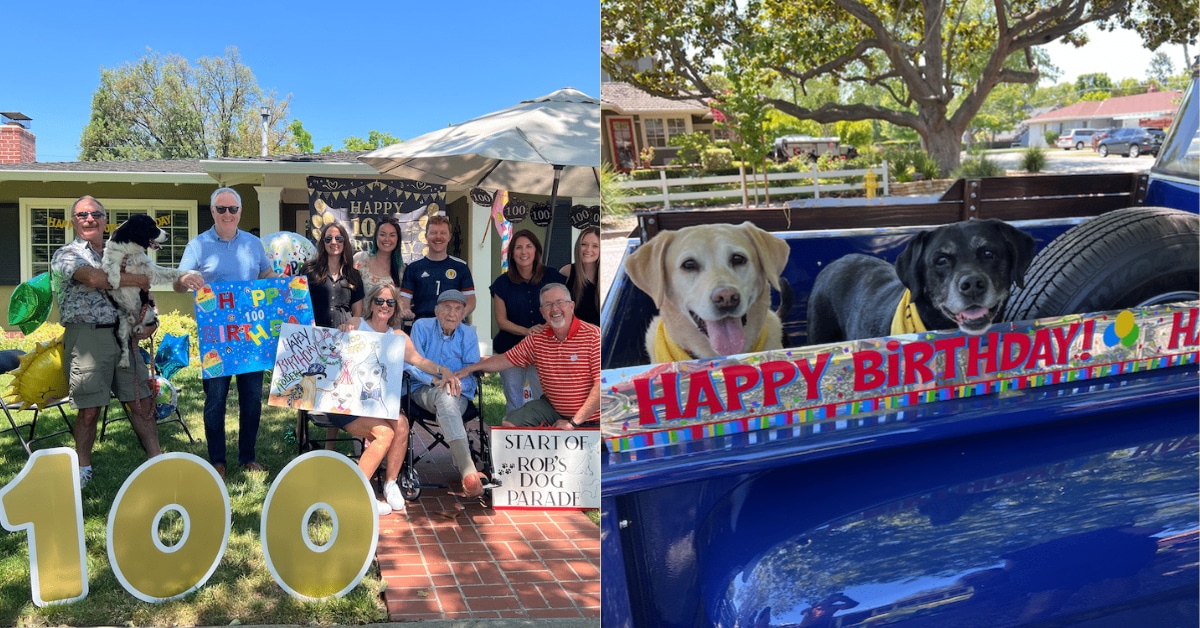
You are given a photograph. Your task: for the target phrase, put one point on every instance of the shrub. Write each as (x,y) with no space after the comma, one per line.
(1050,136)
(612,195)
(1033,159)
(691,147)
(977,167)
(716,159)
(906,160)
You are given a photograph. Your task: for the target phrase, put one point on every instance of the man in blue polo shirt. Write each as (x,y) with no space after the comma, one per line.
(434,274)
(453,344)
(226,253)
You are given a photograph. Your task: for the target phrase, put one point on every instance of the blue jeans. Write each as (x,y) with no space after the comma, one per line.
(216,392)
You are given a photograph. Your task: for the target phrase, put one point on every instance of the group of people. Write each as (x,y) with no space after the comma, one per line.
(548,339)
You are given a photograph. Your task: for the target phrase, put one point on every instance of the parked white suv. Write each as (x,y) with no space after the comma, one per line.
(1077,139)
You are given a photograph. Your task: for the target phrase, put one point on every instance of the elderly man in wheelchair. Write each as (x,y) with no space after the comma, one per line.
(450,342)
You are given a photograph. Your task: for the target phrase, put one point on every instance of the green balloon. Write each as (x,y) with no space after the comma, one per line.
(30,303)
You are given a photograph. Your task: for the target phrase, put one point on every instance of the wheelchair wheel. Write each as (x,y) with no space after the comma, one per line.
(410,484)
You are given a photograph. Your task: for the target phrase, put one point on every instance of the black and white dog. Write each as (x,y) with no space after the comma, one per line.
(128,246)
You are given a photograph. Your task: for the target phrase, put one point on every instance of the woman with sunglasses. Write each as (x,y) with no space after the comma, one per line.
(336,289)
(517,305)
(386,436)
(583,276)
(383,264)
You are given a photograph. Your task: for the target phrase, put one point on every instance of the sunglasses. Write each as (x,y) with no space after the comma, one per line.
(329,239)
(221,209)
(94,215)
(379,301)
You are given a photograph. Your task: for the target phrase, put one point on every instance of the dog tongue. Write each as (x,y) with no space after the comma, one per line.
(726,335)
(971,314)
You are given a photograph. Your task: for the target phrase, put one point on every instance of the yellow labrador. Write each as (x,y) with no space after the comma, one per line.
(711,284)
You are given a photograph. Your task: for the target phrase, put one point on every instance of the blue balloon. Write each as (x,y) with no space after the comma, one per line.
(172,355)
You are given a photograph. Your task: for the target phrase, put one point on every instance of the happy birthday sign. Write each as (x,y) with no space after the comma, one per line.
(347,372)
(238,322)
(657,405)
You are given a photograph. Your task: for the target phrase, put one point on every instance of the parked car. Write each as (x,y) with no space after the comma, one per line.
(1076,138)
(1096,137)
(1130,142)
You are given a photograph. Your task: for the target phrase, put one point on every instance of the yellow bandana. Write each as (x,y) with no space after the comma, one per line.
(906,319)
(665,349)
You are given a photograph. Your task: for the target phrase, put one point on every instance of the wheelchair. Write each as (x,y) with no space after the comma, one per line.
(423,427)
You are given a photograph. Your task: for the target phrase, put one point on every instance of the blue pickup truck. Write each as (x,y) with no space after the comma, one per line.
(1053,491)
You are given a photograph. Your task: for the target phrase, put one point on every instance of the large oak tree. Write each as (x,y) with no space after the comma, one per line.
(928,65)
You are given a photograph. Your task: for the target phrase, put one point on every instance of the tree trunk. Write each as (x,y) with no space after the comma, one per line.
(945,148)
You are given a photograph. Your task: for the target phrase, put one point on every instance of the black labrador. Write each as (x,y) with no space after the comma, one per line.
(957,275)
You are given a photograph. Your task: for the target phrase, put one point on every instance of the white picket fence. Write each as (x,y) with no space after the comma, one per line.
(778,182)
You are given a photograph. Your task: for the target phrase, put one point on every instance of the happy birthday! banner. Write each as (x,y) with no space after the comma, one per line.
(657,405)
(239,321)
(359,204)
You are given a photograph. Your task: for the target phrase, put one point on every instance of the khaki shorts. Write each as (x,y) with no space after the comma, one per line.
(90,357)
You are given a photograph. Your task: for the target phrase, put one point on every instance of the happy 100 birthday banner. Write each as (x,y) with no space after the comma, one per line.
(238,322)
(658,405)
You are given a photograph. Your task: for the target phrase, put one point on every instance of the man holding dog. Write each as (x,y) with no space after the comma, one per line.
(448,341)
(566,354)
(226,253)
(90,346)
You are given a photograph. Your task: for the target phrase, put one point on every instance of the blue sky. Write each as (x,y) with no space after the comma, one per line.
(404,67)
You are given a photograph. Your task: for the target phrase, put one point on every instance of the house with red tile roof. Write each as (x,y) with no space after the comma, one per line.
(1153,109)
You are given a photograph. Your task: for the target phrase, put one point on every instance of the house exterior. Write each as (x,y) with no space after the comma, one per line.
(1154,108)
(35,200)
(631,119)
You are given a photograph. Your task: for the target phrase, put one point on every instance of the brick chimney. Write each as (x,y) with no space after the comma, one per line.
(17,144)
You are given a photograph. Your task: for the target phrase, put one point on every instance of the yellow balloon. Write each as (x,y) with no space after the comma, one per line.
(1124,323)
(40,379)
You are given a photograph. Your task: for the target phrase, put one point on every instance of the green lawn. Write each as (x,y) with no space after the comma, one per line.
(241,589)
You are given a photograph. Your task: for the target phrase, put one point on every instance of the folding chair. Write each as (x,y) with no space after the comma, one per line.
(28,440)
(308,422)
(419,417)
(161,418)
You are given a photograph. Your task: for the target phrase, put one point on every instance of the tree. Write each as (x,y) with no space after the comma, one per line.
(1161,68)
(745,117)
(928,66)
(1097,81)
(301,138)
(375,139)
(161,107)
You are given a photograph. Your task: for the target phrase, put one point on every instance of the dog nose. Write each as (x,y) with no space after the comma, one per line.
(726,298)
(972,285)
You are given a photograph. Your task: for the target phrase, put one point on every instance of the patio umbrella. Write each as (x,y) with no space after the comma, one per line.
(548,146)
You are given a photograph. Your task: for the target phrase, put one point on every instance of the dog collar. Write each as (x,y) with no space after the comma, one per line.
(906,320)
(665,349)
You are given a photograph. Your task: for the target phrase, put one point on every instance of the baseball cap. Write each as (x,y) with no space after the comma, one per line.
(452,295)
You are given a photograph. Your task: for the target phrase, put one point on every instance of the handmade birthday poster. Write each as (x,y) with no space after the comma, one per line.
(238,322)
(345,372)
(659,405)
(545,469)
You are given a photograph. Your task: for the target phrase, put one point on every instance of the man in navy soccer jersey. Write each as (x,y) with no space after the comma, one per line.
(434,274)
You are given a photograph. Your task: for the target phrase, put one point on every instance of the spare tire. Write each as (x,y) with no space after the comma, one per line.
(1131,257)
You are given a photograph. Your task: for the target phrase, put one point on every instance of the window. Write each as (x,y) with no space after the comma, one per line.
(656,135)
(659,131)
(48,225)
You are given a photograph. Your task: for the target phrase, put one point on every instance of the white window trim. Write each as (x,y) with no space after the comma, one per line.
(110,204)
(687,128)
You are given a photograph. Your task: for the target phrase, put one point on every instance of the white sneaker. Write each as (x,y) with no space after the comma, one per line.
(382,508)
(85,476)
(395,498)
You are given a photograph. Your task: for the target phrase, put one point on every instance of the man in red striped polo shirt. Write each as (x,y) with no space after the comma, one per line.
(566,355)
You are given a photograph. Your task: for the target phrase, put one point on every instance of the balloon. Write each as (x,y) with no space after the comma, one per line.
(1125,324)
(166,400)
(30,303)
(288,251)
(172,354)
(40,379)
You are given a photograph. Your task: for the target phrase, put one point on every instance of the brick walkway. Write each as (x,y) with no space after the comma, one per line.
(478,563)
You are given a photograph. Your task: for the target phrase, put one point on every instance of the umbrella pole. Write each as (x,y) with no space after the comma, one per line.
(553,201)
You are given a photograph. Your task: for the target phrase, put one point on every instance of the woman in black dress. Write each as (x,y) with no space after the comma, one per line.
(583,276)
